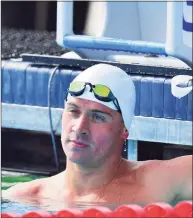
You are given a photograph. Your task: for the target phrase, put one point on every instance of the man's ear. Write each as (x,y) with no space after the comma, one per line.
(125,133)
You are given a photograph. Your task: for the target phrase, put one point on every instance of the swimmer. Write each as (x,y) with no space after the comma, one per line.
(99,108)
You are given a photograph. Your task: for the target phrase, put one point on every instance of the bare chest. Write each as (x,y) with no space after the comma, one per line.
(119,194)
(135,194)
(125,191)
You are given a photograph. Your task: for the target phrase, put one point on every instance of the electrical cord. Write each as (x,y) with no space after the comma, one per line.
(56,155)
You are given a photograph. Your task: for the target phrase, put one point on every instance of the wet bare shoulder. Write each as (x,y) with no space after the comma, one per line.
(130,171)
(24,189)
(167,174)
(145,172)
(152,170)
(169,170)
(148,181)
(52,186)
(180,171)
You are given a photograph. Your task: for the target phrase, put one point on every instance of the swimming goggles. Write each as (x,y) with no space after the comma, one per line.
(101,92)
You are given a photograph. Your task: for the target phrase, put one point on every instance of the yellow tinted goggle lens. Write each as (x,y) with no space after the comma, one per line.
(101,90)
(76,86)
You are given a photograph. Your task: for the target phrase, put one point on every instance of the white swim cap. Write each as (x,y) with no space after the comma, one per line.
(119,82)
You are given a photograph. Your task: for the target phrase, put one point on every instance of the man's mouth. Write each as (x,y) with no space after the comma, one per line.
(79,144)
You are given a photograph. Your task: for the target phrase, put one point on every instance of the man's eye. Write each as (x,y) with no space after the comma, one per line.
(73,111)
(98,118)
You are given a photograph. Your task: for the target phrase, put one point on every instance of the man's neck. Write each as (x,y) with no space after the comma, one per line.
(83,180)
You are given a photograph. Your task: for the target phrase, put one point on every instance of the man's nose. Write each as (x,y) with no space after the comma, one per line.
(81,125)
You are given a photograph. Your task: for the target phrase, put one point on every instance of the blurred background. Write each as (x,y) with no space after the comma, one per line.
(28,26)
(38,15)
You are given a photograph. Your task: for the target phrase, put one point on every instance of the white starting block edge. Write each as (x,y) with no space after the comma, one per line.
(34,118)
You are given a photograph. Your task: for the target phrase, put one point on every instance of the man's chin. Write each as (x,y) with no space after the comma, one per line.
(80,161)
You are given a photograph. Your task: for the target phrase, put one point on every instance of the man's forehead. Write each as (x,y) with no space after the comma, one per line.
(88,104)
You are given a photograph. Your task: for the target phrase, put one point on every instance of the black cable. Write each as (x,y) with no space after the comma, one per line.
(56,155)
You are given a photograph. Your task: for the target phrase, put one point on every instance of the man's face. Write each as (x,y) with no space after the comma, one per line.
(91,131)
